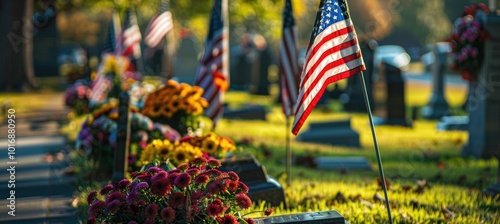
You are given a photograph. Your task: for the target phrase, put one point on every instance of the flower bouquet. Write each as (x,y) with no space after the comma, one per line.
(97,137)
(77,98)
(178,105)
(186,149)
(191,193)
(467,42)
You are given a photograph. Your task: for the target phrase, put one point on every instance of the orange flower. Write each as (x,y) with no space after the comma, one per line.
(203,102)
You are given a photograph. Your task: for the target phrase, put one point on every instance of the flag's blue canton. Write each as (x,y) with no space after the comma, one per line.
(215,20)
(333,11)
(289,21)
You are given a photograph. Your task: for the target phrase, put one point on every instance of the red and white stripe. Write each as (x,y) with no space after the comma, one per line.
(158,28)
(131,41)
(334,55)
(289,68)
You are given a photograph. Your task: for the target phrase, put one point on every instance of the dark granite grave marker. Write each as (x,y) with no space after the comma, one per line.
(332,132)
(437,106)
(336,163)
(254,175)
(353,99)
(389,96)
(186,61)
(323,217)
(484,104)
(248,112)
(120,162)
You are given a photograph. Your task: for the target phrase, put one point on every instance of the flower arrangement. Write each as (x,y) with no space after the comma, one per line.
(178,105)
(77,98)
(191,193)
(186,149)
(97,137)
(467,41)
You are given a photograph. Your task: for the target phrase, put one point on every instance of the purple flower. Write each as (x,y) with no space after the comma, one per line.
(113,206)
(123,184)
(167,214)
(141,185)
(160,175)
(154,169)
(161,187)
(91,197)
(96,209)
(183,180)
(106,189)
(177,200)
(151,211)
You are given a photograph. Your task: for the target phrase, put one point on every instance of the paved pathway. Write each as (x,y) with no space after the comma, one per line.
(41,192)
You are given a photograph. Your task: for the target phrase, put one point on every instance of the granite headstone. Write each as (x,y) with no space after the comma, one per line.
(332,132)
(186,60)
(437,105)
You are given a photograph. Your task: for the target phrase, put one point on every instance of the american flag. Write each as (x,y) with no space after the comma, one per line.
(333,54)
(115,28)
(131,36)
(159,26)
(212,74)
(289,61)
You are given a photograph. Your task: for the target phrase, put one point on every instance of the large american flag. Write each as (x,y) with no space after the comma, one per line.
(159,26)
(131,36)
(333,54)
(212,74)
(289,61)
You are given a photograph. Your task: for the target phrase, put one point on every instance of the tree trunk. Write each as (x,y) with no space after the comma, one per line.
(16,46)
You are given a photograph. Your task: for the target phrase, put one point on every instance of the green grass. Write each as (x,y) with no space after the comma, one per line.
(408,155)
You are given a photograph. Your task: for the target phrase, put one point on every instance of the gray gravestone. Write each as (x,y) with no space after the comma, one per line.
(332,132)
(353,98)
(484,104)
(437,106)
(323,217)
(389,96)
(248,112)
(186,61)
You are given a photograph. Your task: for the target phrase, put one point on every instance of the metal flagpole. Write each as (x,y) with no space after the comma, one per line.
(375,142)
(288,153)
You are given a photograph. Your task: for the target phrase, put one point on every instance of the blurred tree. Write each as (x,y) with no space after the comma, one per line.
(16,46)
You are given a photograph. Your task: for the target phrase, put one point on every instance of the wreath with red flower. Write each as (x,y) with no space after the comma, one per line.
(467,42)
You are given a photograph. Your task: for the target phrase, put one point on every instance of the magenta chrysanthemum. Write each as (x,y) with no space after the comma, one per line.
(213,172)
(151,211)
(167,214)
(154,169)
(114,196)
(106,189)
(177,200)
(141,185)
(113,206)
(183,167)
(193,171)
(214,163)
(96,208)
(201,179)
(161,187)
(215,208)
(183,180)
(243,201)
(229,219)
(242,187)
(217,186)
(172,176)
(233,176)
(233,185)
(160,175)
(123,184)
(200,161)
(91,197)
(91,220)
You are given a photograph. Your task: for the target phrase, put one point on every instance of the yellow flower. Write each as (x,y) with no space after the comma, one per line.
(111,65)
(113,115)
(148,154)
(210,145)
(203,102)
(174,103)
(172,83)
(167,111)
(195,93)
(155,112)
(226,144)
(185,89)
(195,109)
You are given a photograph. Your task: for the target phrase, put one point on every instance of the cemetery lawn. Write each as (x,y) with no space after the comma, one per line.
(410,156)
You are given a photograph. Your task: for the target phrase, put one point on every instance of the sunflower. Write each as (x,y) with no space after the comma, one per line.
(195,109)
(203,102)
(226,144)
(185,103)
(167,111)
(185,89)
(210,145)
(172,83)
(148,154)
(156,111)
(195,93)
(175,103)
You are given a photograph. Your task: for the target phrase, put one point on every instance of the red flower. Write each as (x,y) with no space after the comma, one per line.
(249,221)
(123,184)
(172,176)
(243,201)
(91,197)
(177,200)
(144,177)
(160,175)
(96,208)
(154,169)
(106,189)
(161,187)
(113,206)
(233,176)
(151,211)
(201,179)
(233,185)
(167,214)
(217,187)
(213,172)
(214,163)
(269,211)
(193,171)
(200,161)
(229,219)
(115,196)
(242,187)
(215,208)
(183,180)
(91,220)
(195,196)
(183,167)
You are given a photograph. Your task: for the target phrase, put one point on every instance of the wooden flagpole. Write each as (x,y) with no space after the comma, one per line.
(375,142)
(288,153)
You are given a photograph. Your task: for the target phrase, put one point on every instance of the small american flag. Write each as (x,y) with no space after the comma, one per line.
(212,74)
(289,61)
(131,36)
(333,54)
(159,26)
(115,28)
